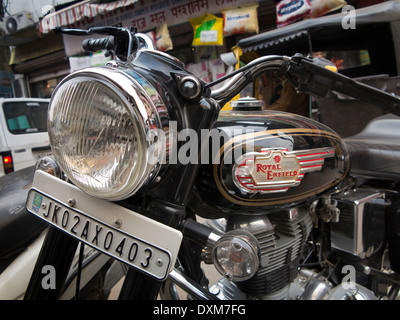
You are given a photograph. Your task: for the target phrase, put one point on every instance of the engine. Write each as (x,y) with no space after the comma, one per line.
(264,176)
(281,237)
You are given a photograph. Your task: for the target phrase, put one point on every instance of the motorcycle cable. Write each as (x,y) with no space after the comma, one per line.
(244,68)
(79,272)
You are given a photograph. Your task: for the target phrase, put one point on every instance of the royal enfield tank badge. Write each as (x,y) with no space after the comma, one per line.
(277,170)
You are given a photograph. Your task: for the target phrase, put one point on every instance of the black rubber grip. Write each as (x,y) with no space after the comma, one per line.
(94,45)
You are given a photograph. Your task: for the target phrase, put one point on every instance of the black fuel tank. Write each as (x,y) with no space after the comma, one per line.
(262,161)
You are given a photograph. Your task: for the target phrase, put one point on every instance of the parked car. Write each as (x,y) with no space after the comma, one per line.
(23,133)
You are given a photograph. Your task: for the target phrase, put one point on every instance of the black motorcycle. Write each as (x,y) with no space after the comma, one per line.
(288,209)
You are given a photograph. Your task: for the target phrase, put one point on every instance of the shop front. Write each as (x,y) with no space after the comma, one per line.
(171,24)
(38,66)
(43,61)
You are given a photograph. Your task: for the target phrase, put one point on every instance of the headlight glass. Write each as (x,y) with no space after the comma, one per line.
(98,134)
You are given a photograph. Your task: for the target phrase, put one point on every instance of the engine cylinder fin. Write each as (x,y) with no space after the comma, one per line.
(281,250)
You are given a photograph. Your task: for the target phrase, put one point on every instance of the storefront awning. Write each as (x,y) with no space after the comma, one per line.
(264,43)
(79,12)
(43,46)
(385,12)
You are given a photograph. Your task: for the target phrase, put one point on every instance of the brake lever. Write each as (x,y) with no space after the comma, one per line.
(313,77)
(308,75)
(72,32)
(111,31)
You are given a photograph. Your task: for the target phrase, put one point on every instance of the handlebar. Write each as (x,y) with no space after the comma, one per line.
(311,76)
(243,76)
(122,42)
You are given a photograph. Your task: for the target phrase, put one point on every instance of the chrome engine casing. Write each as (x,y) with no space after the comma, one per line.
(308,285)
(360,230)
(282,237)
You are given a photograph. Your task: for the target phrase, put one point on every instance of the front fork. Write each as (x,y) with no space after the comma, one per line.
(59,249)
(56,256)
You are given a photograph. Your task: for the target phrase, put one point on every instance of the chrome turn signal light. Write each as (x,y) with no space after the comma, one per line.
(236,255)
(49,165)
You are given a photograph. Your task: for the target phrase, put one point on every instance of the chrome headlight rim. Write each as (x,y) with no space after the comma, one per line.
(140,107)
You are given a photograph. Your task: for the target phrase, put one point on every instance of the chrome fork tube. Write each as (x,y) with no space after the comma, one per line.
(191,287)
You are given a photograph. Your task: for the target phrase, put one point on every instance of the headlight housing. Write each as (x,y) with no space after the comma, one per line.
(102,125)
(236,255)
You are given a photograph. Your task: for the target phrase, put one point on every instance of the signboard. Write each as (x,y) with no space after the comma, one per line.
(144,16)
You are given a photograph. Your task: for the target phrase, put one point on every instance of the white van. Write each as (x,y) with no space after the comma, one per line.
(23,133)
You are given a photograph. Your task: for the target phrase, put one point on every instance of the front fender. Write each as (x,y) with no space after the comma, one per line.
(18,228)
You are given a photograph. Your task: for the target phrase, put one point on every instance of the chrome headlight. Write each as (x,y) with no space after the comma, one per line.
(99,123)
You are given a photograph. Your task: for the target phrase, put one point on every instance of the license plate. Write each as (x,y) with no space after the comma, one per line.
(143,243)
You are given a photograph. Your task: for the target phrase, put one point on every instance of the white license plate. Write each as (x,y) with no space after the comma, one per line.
(143,243)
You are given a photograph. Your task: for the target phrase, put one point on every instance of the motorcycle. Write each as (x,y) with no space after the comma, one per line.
(289,210)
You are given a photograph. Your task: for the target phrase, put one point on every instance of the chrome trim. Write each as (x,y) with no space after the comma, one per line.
(244,75)
(349,233)
(213,237)
(146,40)
(164,55)
(231,85)
(190,286)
